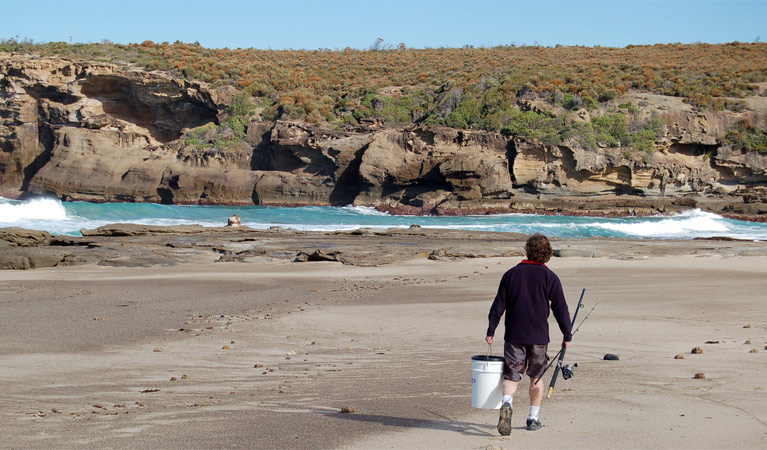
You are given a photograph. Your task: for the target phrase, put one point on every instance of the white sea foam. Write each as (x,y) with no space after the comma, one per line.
(690,223)
(34,209)
(365,210)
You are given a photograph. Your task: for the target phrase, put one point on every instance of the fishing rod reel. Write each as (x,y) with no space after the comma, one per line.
(568,371)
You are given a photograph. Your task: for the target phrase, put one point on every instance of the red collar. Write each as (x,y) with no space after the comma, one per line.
(528,261)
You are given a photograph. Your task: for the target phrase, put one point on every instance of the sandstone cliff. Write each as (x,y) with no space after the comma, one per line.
(99,132)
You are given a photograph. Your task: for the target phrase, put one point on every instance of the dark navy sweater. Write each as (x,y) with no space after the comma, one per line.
(525,292)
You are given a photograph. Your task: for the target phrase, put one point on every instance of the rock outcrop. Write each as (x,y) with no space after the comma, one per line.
(20,237)
(99,132)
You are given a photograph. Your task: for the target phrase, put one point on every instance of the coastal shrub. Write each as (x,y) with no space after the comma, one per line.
(589,103)
(239,113)
(582,133)
(611,130)
(693,71)
(468,114)
(396,110)
(608,94)
(744,135)
(734,105)
(644,136)
(571,101)
(227,135)
(202,137)
(531,124)
(629,106)
(463,87)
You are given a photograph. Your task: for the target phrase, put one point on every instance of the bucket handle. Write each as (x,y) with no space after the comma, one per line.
(489,352)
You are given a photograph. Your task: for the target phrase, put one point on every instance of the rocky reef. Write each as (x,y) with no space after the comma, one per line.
(101,132)
(130,245)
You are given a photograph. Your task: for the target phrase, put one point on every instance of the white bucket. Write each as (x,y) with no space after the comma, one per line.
(486,381)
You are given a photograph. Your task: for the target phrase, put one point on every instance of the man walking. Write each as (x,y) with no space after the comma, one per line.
(524,294)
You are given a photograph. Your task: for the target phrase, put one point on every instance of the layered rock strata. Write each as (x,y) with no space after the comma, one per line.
(99,132)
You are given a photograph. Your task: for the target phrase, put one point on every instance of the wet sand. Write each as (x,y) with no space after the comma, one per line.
(266,353)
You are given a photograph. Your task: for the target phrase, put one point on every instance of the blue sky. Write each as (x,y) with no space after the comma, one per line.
(358,24)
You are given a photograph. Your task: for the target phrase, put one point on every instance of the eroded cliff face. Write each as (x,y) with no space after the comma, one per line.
(96,132)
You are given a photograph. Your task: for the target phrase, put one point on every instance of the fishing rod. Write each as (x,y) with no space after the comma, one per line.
(564,348)
(560,351)
(567,371)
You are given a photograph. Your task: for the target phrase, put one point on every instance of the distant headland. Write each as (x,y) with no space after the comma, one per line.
(574,130)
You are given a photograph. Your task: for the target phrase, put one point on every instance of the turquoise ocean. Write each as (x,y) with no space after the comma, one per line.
(68,218)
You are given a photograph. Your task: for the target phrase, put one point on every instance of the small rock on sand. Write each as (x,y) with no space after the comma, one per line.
(347,409)
(747,326)
(712,342)
(700,376)
(754,350)
(747,343)
(258,366)
(679,356)
(158,350)
(184,377)
(173,378)
(696,351)
(226,347)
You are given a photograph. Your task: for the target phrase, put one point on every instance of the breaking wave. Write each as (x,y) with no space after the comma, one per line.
(35,209)
(684,225)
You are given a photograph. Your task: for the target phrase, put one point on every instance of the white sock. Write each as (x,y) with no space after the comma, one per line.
(534,412)
(507,399)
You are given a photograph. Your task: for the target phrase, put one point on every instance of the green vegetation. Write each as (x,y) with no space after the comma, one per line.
(480,88)
(744,136)
(644,138)
(230,134)
(630,107)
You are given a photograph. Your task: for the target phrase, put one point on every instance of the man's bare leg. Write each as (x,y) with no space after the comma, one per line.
(536,397)
(510,388)
(536,392)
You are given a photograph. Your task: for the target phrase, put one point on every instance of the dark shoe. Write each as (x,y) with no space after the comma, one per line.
(504,421)
(533,425)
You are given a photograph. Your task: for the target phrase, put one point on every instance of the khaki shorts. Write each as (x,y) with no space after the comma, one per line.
(524,358)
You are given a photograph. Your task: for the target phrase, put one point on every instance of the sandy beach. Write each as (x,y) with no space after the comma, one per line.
(266,353)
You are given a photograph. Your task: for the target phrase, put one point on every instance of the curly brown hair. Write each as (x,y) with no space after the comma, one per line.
(538,248)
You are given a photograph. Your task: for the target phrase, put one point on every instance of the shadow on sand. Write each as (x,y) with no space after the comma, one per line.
(443,423)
